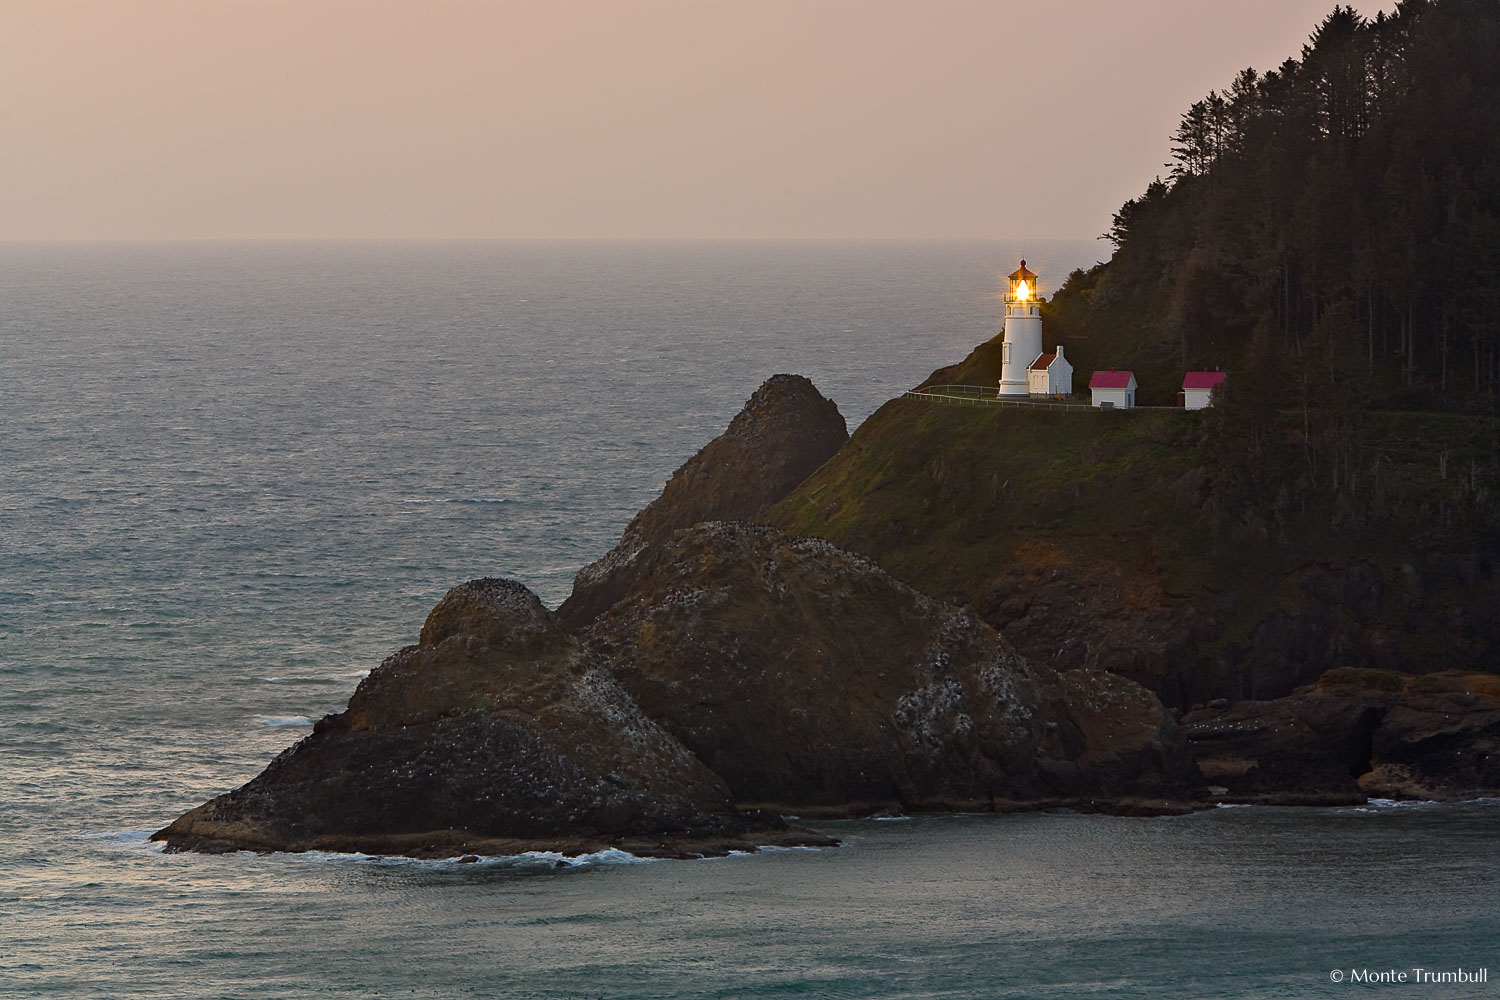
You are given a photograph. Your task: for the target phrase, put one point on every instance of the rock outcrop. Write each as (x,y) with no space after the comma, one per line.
(804,677)
(807,677)
(1355,734)
(784,432)
(499,732)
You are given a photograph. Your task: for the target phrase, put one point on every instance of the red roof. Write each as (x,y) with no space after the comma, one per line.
(1202,380)
(1021,272)
(1111,380)
(1042,361)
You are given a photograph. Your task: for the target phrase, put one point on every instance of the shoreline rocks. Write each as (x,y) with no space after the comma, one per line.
(1355,734)
(498,728)
(749,668)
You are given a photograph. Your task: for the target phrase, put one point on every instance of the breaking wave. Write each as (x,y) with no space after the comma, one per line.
(319,679)
(283,720)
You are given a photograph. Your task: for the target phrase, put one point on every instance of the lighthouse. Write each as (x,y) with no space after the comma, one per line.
(1023,333)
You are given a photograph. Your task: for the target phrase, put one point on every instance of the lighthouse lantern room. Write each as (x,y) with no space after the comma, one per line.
(1023,332)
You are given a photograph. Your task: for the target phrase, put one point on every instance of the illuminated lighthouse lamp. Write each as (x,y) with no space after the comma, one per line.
(1022,285)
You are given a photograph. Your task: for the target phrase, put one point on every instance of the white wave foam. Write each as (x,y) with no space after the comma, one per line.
(1383,805)
(455,500)
(1377,806)
(318,679)
(530,859)
(608,856)
(283,720)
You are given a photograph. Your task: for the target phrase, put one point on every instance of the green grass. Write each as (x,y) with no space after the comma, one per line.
(938,493)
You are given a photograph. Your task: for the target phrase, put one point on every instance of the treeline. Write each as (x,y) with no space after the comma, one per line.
(1329,228)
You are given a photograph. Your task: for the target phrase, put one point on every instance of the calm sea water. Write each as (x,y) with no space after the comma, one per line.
(234,477)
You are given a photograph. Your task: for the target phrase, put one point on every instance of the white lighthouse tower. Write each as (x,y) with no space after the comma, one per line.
(1023,333)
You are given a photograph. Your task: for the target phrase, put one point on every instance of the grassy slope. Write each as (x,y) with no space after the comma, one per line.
(944,492)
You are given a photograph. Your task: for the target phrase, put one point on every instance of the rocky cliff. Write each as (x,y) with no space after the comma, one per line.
(784,432)
(1356,733)
(499,732)
(806,677)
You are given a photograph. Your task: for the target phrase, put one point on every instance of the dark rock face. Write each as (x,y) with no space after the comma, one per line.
(1356,733)
(499,732)
(806,676)
(785,431)
(1092,614)
(1070,615)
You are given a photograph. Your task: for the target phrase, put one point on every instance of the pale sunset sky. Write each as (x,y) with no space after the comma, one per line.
(841,119)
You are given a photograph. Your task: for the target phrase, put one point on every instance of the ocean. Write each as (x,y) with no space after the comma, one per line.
(237,476)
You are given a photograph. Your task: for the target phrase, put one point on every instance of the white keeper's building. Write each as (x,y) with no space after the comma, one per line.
(1050,375)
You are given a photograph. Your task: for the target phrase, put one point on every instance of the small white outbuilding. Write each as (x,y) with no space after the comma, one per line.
(1112,388)
(1050,375)
(1198,389)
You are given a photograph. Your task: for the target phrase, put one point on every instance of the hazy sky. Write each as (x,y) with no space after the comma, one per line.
(585,118)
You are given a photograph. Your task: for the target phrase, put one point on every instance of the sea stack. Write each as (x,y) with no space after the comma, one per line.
(785,431)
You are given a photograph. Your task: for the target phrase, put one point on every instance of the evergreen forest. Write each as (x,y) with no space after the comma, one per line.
(1329,230)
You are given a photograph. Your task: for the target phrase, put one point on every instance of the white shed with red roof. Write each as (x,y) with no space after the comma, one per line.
(1198,389)
(1113,388)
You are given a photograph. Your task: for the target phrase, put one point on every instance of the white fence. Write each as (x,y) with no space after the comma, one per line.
(983,395)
